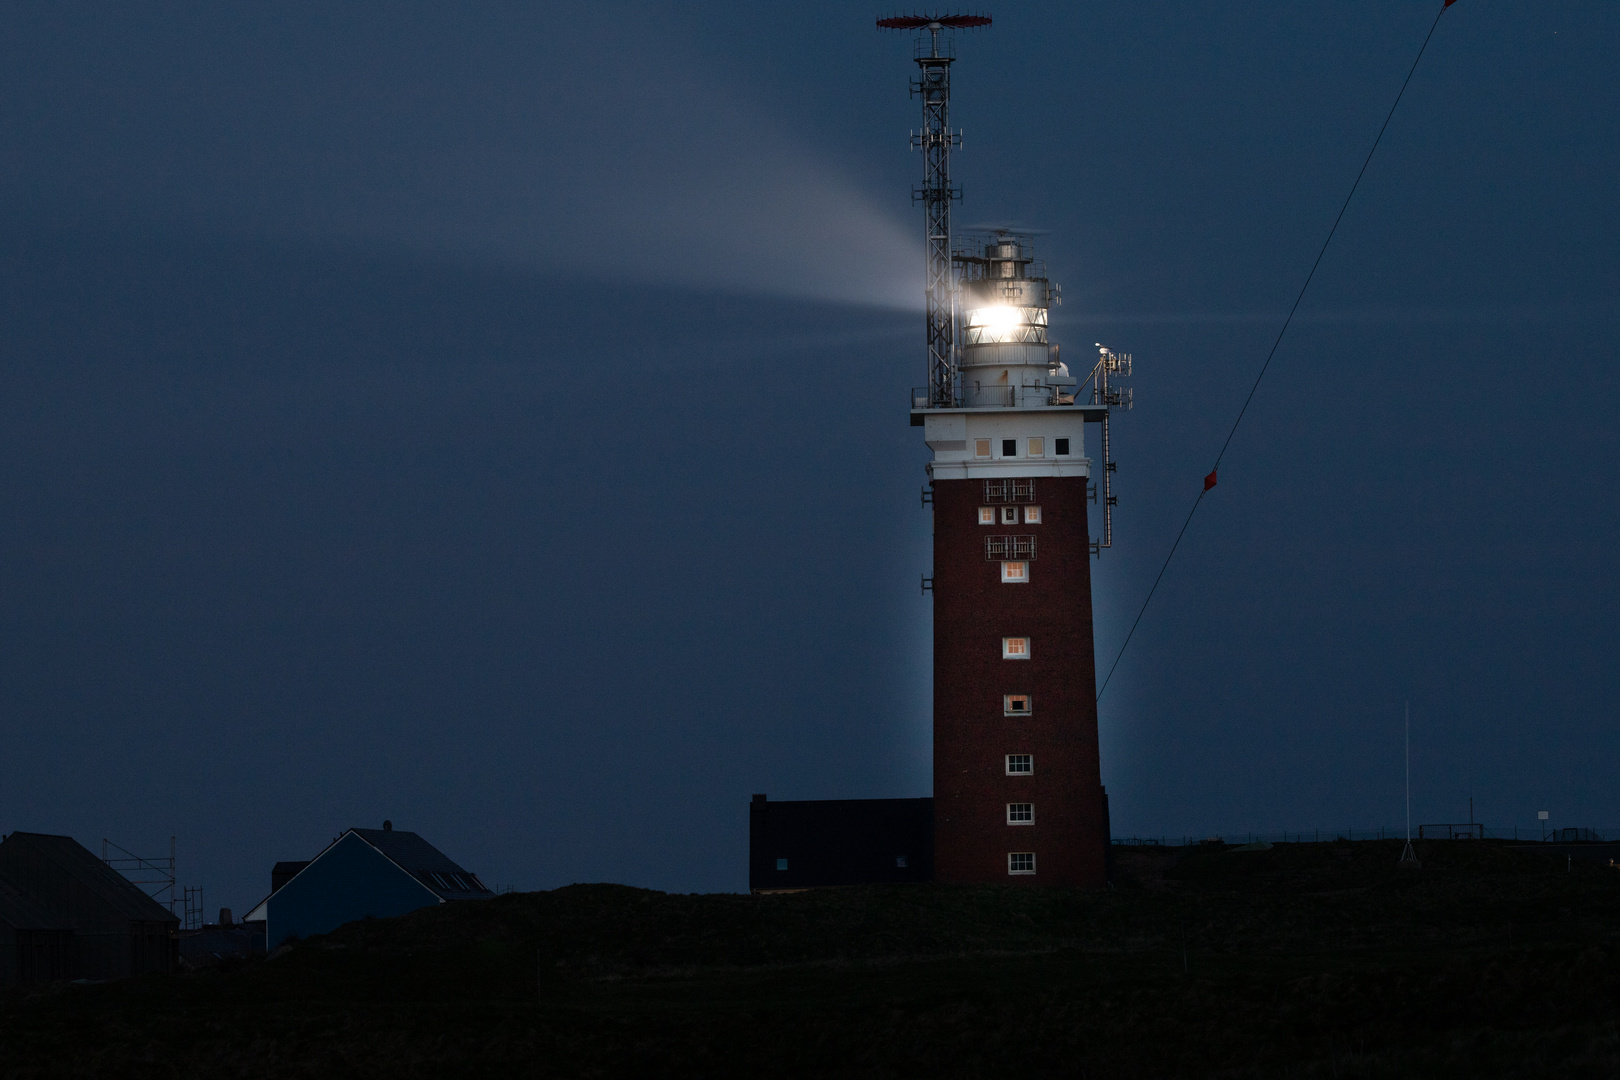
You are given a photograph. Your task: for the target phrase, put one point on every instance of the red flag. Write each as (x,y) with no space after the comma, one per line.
(1209,481)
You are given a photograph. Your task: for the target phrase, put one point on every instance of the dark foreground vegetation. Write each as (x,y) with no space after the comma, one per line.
(1301,960)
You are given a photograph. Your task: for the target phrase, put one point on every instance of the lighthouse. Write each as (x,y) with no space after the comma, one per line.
(1021,502)
(1018,794)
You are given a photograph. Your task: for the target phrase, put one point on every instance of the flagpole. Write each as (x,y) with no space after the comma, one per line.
(1409,859)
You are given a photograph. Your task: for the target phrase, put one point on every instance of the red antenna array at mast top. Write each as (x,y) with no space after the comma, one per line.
(919,22)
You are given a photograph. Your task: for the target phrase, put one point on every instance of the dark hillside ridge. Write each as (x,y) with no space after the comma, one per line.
(1297,960)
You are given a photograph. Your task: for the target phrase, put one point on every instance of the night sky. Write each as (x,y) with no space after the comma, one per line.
(493,417)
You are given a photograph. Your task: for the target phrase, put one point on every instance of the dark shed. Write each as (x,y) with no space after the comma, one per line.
(35,946)
(118,930)
(818,842)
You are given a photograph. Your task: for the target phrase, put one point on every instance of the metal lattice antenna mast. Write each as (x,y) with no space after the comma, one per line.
(935,140)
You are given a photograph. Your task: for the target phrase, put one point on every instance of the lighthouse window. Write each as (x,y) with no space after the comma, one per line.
(1032,515)
(987,515)
(981,447)
(1009,447)
(1015,704)
(1020,764)
(1009,515)
(1037,448)
(1020,813)
(1020,862)
(1061,446)
(1014,573)
(1015,648)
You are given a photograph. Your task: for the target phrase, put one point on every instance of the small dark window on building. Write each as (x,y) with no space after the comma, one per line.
(1062,447)
(900,861)
(781,864)
(1009,515)
(1009,447)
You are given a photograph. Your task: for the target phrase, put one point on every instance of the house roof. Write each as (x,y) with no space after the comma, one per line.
(425,863)
(20,912)
(107,884)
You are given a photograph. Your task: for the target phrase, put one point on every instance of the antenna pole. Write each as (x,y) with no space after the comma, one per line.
(935,140)
(1409,859)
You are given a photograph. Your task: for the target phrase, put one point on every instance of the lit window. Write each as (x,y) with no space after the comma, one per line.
(987,515)
(1020,764)
(1032,515)
(900,861)
(981,447)
(1020,862)
(1014,573)
(1037,448)
(1061,446)
(1015,648)
(1015,704)
(1020,813)
(781,864)
(1009,447)
(1009,515)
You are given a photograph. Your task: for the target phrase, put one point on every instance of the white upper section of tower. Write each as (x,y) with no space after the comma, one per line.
(991,443)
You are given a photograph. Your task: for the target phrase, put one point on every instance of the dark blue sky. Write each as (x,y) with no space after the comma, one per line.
(494,420)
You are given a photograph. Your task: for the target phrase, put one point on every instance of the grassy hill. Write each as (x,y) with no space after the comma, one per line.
(1300,960)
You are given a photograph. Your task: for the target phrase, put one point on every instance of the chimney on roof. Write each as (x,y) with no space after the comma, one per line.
(388,826)
(225,916)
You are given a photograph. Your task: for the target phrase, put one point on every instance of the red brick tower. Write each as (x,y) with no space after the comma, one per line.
(1017,788)
(1018,791)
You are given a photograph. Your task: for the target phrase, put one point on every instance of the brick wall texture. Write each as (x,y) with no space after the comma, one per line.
(973,612)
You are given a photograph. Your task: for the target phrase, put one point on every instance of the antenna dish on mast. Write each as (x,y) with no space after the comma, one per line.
(1005,228)
(930,22)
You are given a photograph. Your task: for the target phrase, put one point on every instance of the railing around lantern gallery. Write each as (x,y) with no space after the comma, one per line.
(995,395)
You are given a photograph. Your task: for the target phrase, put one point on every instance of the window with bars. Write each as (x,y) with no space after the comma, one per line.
(1020,862)
(1010,490)
(1001,548)
(1020,813)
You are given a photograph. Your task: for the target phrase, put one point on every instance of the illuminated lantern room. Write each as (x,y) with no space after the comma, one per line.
(1004,299)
